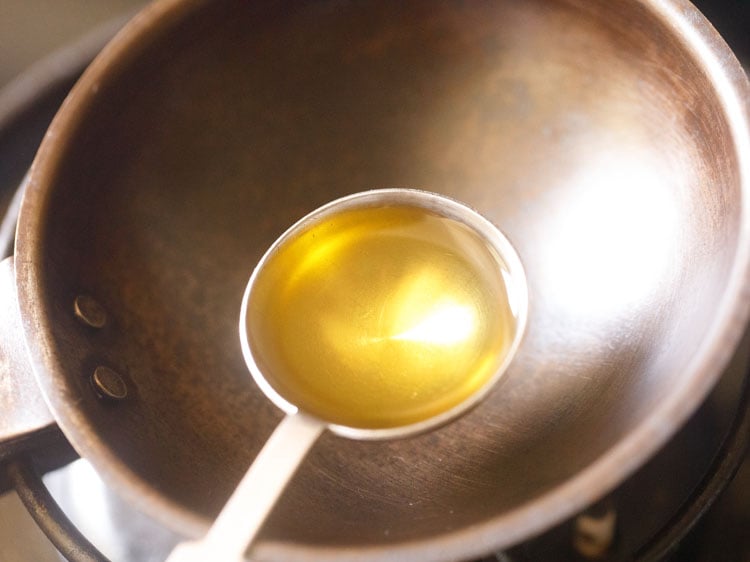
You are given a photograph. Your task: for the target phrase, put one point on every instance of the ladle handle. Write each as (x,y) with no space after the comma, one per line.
(253,499)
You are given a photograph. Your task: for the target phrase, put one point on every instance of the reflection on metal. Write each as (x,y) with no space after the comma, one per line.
(618,235)
(89,311)
(48,515)
(118,530)
(23,409)
(499,105)
(109,383)
(594,531)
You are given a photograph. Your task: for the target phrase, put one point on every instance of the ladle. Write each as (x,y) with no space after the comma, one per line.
(450,298)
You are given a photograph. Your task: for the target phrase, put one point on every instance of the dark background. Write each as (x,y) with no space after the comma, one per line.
(732,19)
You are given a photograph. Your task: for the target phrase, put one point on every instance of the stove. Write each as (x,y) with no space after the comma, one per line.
(690,503)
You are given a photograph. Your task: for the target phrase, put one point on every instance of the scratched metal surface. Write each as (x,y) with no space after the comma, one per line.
(39,39)
(33,547)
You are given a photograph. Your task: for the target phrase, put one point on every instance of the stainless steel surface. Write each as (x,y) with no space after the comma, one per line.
(608,140)
(254,313)
(26,106)
(24,411)
(633,333)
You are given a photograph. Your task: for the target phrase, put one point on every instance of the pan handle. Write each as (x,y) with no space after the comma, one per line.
(25,414)
(31,443)
(27,427)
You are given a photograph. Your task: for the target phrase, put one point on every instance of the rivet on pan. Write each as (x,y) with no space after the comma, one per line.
(89,311)
(594,530)
(109,384)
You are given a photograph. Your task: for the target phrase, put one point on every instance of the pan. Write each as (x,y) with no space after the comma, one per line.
(609,141)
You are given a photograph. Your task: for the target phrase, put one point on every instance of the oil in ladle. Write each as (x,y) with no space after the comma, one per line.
(379,315)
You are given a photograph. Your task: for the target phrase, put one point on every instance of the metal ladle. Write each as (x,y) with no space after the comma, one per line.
(243,515)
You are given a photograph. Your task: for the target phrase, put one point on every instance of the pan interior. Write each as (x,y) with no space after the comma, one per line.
(584,130)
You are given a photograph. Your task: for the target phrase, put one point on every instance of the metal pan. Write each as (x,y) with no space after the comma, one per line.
(608,140)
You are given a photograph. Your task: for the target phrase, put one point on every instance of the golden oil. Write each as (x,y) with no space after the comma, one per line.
(380,317)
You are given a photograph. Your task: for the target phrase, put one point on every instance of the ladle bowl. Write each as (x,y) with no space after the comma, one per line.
(608,140)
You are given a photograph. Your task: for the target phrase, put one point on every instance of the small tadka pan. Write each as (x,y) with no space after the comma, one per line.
(608,140)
